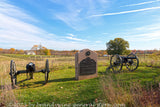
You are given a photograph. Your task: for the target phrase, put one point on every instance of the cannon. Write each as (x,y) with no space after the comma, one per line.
(30,68)
(131,62)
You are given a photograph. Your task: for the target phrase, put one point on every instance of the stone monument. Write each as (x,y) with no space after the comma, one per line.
(85,64)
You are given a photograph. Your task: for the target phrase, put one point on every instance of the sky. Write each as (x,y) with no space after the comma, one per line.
(79,24)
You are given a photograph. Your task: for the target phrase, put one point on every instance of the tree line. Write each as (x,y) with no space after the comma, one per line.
(116,46)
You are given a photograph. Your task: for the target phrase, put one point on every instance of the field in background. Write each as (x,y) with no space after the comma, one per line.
(64,89)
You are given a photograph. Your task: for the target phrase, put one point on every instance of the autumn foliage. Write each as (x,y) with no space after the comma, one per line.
(12,50)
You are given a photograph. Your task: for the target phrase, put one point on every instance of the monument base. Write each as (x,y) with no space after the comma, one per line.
(86,77)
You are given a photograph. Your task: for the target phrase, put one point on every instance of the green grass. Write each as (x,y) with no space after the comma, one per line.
(143,75)
(62,87)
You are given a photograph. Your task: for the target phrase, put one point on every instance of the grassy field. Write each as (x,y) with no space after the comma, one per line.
(62,87)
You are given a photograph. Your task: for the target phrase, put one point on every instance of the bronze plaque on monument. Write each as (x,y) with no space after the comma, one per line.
(85,64)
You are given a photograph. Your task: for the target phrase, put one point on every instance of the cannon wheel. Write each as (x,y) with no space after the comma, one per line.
(132,64)
(116,63)
(13,73)
(47,71)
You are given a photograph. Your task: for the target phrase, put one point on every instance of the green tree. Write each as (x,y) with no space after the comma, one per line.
(118,46)
(47,51)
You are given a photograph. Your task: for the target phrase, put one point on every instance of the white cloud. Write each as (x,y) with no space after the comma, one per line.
(76,39)
(73,20)
(13,11)
(143,33)
(98,41)
(72,37)
(148,2)
(14,30)
(17,32)
(70,34)
(149,27)
(75,12)
(125,12)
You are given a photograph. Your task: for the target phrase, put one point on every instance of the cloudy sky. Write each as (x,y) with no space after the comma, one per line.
(79,24)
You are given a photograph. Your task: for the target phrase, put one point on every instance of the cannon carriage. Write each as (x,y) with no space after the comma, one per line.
(131,62)
(30,69)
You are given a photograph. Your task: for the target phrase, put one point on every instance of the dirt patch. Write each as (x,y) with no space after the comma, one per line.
(151,97)
(2,105)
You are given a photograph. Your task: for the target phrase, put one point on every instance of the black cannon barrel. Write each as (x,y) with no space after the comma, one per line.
(40,71)
(131,57)
(128,57)
(21,72)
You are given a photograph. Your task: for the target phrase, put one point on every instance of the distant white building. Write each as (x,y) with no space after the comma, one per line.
(30,52)
(105,55)
(35,49)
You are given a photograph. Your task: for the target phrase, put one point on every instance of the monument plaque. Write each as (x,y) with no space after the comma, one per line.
(85,64)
